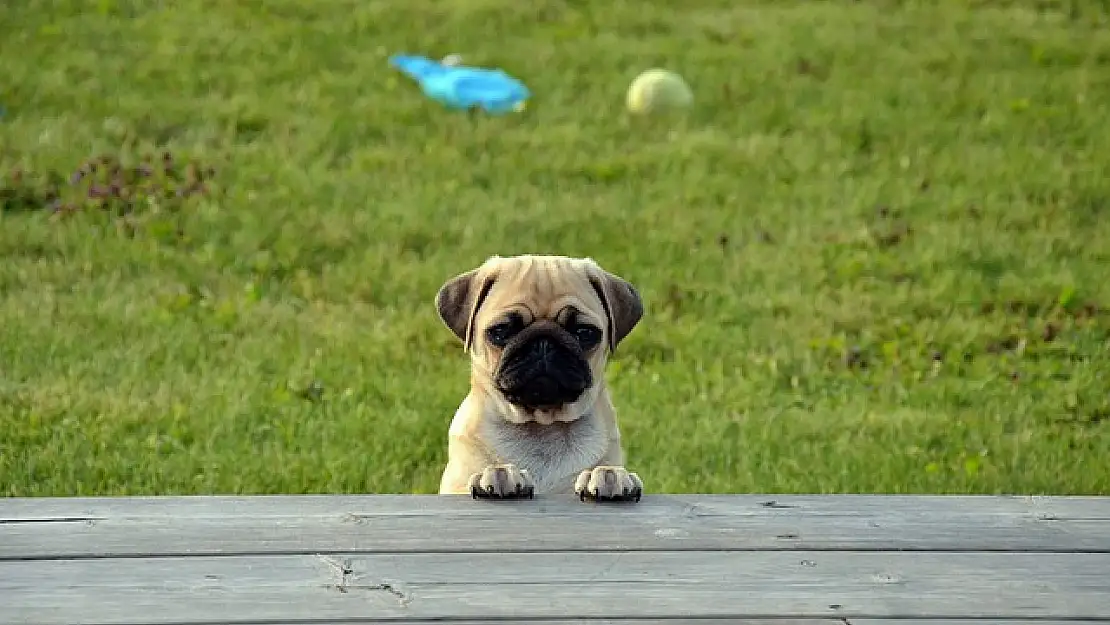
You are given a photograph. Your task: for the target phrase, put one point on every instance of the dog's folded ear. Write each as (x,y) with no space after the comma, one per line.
(459,300)
(622,303)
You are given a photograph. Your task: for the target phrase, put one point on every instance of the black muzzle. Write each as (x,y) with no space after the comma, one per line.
(542,367)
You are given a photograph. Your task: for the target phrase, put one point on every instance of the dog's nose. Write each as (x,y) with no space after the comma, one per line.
(544,349)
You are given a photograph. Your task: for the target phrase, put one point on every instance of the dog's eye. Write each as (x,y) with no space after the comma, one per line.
(587,336)
(499,334)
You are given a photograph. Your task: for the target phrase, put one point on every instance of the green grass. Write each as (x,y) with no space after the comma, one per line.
(875,257)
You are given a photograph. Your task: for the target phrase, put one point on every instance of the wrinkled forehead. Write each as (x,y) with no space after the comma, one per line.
(543,290)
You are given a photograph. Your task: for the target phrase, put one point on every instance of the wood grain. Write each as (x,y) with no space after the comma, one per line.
(560,585)
(731,621)
(728,621)
(287,525)
(60,508)
(317,560)
(559,532)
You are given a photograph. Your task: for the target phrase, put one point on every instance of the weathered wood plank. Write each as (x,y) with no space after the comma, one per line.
(202,526)
(726,621)
(665,621)
(738,621)
(60,508)
(554,532)
(558,585)
(668,621)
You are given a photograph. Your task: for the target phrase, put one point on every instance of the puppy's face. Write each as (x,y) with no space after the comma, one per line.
(539,330)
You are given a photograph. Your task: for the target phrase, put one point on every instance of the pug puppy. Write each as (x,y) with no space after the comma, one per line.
(538,417)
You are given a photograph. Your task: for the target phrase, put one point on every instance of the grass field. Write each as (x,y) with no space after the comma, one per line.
(875,256)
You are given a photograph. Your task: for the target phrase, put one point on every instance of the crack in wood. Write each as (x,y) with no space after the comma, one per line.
(341,569)
(348,580)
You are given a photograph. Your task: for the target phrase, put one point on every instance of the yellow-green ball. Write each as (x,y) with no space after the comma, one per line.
(658,90)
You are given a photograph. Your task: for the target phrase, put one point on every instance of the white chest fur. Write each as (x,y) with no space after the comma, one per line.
(553,454)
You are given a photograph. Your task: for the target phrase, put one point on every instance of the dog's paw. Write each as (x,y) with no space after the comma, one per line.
(502,481)
(607,483)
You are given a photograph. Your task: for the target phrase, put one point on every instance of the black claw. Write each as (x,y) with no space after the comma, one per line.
(626,495)
(490,492)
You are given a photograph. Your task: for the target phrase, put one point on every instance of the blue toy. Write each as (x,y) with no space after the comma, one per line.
(459,87)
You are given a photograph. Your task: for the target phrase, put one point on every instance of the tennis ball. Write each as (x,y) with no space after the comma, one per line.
(658,90)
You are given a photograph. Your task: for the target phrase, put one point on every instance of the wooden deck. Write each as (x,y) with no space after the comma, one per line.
(862,560)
